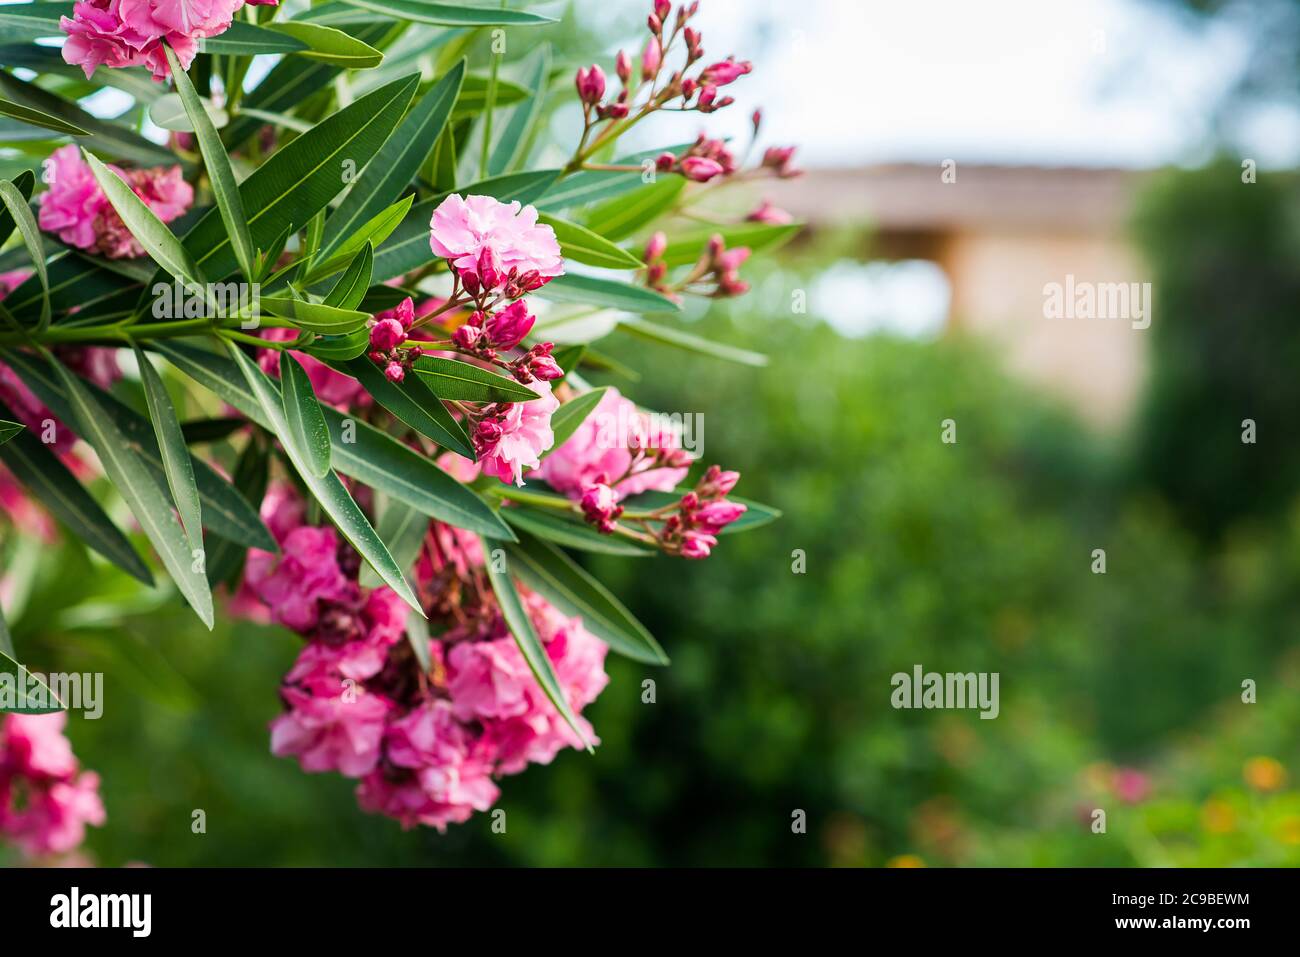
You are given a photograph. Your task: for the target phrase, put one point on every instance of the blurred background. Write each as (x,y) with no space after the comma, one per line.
(1117,141)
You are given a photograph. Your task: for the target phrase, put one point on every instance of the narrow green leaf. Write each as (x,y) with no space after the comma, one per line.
(582,245)
(561,581)
(251,477)
(454,380)
(450,15)
(591,186)
(175,454)
(150,231)
(396,163)
(34,117)
(521,626)
(314,316)
(329,45)
(374,232)
(246,39)
(199,431)
(169,113)
(413,403)
(606,293)
(24,182)
(570,415)
(360,450)
(307,429)
(31,695)
(684,340)
(339,348)
(217,161)
(9,429)
(624,215)
(403,530)
(17,209)
(41,472)
(352,285)
(141,491)
(511,145)
(571,534)
(327,489)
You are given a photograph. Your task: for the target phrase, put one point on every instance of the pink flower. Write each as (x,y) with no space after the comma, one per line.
(306,573)
(55,817)
(118,33)
(34,745)
(78,212)
(489,240)
(387,334)
(331,726)
(489,679)
(701,169)
(514,439)
(506,327)
(600,448)
(45,803)
(767,213)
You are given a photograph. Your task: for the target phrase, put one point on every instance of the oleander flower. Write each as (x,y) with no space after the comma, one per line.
(514,438)
(490,240)
(45,800)
(76,210)
(119,33)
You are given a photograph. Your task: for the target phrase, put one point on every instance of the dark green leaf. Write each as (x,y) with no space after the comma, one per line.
(591,186)
(413,402)
(624,215)
(30,695)
(314,316)
(582,245)
(510,147)
(307,430)
(198,431)
(403,530)
(454,380)
(34,117)
(572,414)
(24,183)
(450,15)
(17,209)
(329,45)
(352,285)
(606,293)
(9,429)
(245,39)
(175,454)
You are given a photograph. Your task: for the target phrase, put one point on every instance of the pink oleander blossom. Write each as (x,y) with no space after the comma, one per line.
(76,210)
(598,452)
(490,239)
(45,800)
(514,440)
(331,726)
(120,33)
(306,573)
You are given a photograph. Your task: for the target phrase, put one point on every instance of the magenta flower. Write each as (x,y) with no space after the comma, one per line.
(45,802)
(506,327)
(514,439)
(331,726)
(118,33)
(489,240)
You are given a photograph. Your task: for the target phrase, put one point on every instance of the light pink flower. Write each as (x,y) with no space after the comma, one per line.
(331,726)
(600,447)
(45,803)
(489,239)
(306,573)
(34,745)
(514,439)
(54,819)
(118,33)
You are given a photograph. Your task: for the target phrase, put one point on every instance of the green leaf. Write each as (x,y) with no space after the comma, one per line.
(307,429)
(24,182)
(352,285)
(329,45)
(582,245)
(567,418)
(327,489)
(397,162)
(314,316)
(245,39)
(403,530)
(450,15)
(141,491)
(413,403)
(570,533)
(33,117)
(31,21)
(73,279)
(606,293)
(9,429)
(41,472)
(454,380)
(108,137)
(512,144)
(299,180)
(168,112)
(42,700)
(150,231)
(339,348)
(565,584)
(198,431)
(17,209)
(215,158)
(251,477)
(569,358)
(624,215)
(408,246)
(175,454)
(374,232)
(363,452)
(686,248)
(521,626)
(591,186)
(684,340)
(225,510)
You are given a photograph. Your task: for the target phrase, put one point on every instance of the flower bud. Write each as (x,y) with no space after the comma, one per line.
(697,545)
(511,324)
(386,334)
(720,513)
(662,9)
(394,372)
(651,58)
(725,71)
(654,249)
(469,335)
(700,168)
(590,83)
(623,66)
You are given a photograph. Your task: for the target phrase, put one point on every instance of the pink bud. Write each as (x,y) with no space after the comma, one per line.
(508,326)
(387,334)
(655,24)
(662,9)
(767,213)
(489,273)
(651,58)
(688,88)
(600,505)
(468,336)
(720,513)
(623,66)
(724,482)
(725,71)
(700,169)
(394,372)
(654,249)
(757,119)
(545,368)
(697,545)
(665,161)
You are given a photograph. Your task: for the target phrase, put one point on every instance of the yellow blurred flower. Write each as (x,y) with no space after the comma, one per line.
(1264,774)
(1218,816)
(905,860)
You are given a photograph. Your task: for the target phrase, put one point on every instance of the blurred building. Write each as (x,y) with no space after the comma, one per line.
(1000,234)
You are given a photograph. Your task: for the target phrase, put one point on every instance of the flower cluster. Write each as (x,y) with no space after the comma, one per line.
(716,274)
(511,436)
(46,801)
(425,744)
(118,33)
(76,210)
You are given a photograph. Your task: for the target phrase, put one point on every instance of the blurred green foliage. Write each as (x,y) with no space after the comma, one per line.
(975,556)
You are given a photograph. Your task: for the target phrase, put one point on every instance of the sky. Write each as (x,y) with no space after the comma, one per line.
(1086,82)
